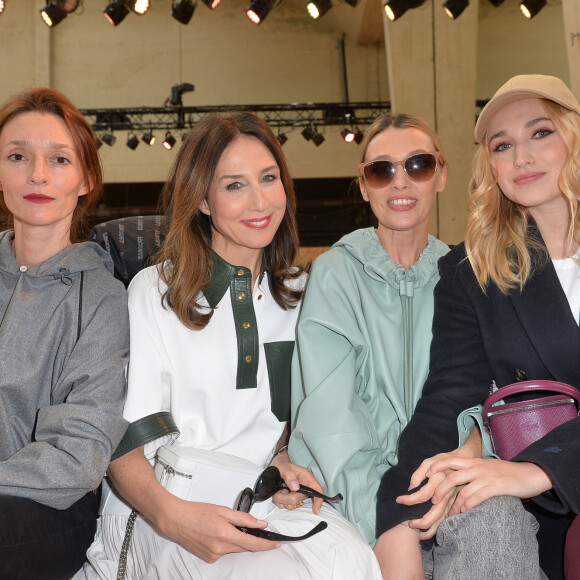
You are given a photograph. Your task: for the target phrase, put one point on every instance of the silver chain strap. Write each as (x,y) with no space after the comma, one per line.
(122,569)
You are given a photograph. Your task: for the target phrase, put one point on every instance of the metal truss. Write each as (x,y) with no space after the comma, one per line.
(294,115)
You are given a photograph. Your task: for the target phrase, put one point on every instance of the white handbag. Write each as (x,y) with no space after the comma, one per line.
(205,476)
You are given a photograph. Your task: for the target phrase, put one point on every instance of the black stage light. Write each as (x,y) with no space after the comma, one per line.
(182,11)
(318,8)
(53,13)
(258,10)
(496,3)
(116,11)
(396,8)
(148,138)
(2,6)
(108,138)
(132,141)
(307,133)
(347,134)
(98,142)
(175,97)
(169,141)
(358,136)
(212,4)
(454,8)
(282,138)
(530,8)
(318,139)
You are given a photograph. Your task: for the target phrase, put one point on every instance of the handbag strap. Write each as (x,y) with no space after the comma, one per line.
(122,569)
(529,387)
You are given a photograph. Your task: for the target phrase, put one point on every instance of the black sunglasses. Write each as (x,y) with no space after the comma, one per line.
(268,483)
(381,173)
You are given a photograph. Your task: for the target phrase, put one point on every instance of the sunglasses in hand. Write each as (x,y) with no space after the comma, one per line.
(269,483)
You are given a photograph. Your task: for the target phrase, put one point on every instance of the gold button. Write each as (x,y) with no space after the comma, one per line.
(248,359)
(246,325)
(240,272)
(241,295)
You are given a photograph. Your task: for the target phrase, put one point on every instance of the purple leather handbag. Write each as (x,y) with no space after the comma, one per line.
(514,426)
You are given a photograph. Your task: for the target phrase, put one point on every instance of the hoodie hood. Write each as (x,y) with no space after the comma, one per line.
(364,246)
(74,258)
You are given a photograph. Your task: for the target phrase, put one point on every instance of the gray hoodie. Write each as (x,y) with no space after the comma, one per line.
(63,352)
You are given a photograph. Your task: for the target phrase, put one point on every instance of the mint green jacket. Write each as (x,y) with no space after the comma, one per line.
(361,358)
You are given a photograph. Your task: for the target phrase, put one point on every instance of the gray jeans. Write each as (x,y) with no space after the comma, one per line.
(494,541)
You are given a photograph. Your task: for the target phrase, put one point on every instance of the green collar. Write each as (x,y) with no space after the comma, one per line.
(222,274)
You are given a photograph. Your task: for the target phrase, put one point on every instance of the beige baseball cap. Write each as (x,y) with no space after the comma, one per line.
(525,87)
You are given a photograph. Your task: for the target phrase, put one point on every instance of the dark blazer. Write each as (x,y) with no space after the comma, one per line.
(478,338)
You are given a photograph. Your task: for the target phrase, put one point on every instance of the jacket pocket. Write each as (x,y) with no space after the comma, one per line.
(279,361)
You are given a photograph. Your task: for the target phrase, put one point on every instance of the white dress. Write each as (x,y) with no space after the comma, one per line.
(194,374)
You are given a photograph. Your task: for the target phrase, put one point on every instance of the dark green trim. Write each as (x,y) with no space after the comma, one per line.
(279,362)
(145,430)
(246,329)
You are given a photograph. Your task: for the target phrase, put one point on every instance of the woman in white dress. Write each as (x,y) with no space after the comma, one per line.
(212,334)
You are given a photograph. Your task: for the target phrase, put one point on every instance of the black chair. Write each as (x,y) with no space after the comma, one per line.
(132,242)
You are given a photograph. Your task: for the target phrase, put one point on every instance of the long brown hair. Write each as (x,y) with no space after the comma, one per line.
(185,259)
(497,238)
(51,102)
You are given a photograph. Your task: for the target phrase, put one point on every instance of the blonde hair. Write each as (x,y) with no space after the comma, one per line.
(499,245)
(401,121)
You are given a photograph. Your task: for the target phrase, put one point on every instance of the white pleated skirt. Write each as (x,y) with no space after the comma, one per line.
(339,552)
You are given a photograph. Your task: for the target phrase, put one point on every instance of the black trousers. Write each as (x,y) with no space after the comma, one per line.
(42,543)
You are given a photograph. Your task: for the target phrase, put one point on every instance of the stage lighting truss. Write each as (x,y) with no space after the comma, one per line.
(318,8)
(530,8)
(182,11)
(116,11)
(396,8)
(454,8)
(259,9)
(306,118)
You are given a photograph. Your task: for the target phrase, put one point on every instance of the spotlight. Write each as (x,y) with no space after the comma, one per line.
(53,13)
(138,6)
(307,133)
(148,138)
(396,8)
(213,4)
(2,6)
(347,135)
(132,141)
(318,139)
(318,8)
(169,141)
(454,8)
(530,8)
(177,92)
(108,138)
(182,11)
(358,136)
(116,11)
(258,10)
(282,138)
(98,142)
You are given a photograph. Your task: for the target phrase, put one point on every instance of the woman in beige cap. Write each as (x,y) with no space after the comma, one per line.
(507,309)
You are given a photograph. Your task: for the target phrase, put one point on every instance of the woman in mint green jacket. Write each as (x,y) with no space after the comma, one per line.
(362,351)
